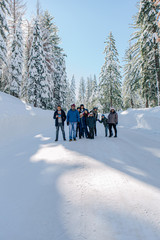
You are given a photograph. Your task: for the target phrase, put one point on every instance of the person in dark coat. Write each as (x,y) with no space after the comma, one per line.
(84,117)
(104,120)
(91,122)
(82,108)
(95,114)
(72,120)
(60,118)
(79,127)
(113,121)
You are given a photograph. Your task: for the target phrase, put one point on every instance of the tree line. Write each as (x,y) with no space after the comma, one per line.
(32,63)
(31,59)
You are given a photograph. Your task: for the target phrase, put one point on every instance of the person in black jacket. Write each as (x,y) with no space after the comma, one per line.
(91,123)
(60,118)
(95,114)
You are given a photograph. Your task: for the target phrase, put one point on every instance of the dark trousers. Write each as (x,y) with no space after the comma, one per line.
(85,130)
(91,133)
(79,129)
(95,131)
(110,129)
(62,129)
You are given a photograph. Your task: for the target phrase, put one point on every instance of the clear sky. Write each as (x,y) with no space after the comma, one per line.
(83,27)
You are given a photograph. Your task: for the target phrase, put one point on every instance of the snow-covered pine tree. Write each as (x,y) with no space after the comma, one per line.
(63,92)
(73,90)
(17,10)
(131,85)
(16,61)
(49,45)
(81,91)
(89,89)
(38,89)
(94,96)
(146,21)
(28,33)
(110,77)
(59,76)
(68,96)
(4,10)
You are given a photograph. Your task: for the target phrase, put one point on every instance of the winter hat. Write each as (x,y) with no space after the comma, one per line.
(112,108)
(91,113)
(95,108)
(103,115)
(73,105)
(78,108)
(86,109)
(82,105)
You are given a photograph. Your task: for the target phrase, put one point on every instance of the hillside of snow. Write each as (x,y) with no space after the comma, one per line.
(101,189)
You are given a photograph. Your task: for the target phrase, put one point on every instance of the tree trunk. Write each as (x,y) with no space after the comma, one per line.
(132,104)
(156,54)
(147,102)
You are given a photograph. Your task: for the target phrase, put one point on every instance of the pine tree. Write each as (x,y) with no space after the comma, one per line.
(16,62)
(146,21)
(81,91)
(17,10)
(68,96)
(131,84)
(73,90)
(59,76)
(94,94)
(89,89)
(4,10)
(110,77)
(38,89)
(64,83)
(28,33)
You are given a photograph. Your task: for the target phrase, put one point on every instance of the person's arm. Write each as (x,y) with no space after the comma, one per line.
(116,118)
(108,118)
(64,114)
(68,117)
(54,116)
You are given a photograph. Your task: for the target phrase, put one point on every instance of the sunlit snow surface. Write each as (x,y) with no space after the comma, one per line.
(101,189)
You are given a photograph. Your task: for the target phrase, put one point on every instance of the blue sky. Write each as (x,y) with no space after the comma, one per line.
(83,27)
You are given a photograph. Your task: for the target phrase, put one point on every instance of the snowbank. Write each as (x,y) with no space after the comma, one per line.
(16,116)
(147,118)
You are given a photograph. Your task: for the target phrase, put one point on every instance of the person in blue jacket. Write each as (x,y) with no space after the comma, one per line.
(72,120)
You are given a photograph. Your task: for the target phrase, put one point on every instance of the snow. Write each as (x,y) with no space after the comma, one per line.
(101,189)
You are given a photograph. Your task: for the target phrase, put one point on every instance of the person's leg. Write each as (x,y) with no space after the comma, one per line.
(57,132)
(70,131)
(82,132)
(74,130)
(95,130)
(115,130)
(92,133)
(86,131)
(110,130)
(63,132)
(106,131)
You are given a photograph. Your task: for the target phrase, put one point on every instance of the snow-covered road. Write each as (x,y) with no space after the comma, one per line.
(102,189)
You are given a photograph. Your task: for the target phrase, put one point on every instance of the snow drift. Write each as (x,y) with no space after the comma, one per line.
(104,188)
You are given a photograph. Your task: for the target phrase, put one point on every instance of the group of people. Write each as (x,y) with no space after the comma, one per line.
(83,123)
